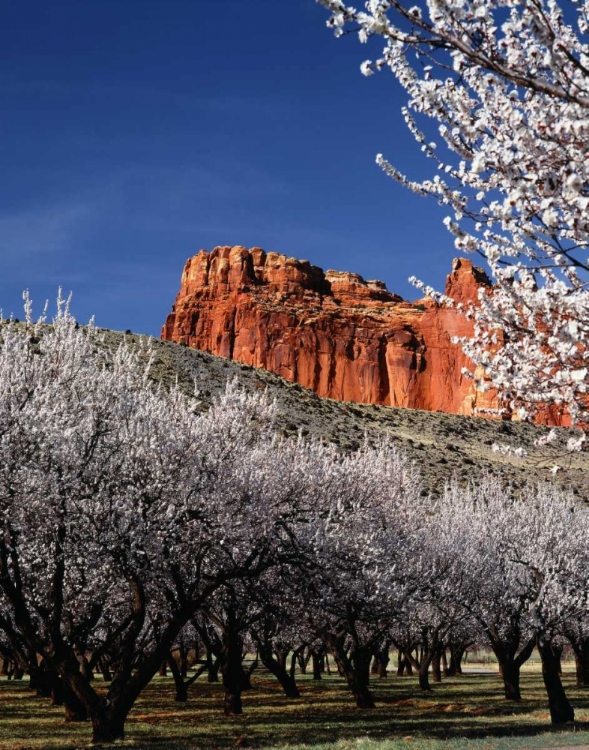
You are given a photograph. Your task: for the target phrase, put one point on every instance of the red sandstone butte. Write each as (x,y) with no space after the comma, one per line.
(335,333)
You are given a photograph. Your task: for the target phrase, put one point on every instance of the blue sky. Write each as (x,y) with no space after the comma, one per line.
(135,132)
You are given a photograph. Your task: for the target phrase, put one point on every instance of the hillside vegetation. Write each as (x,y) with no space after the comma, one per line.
(443,445)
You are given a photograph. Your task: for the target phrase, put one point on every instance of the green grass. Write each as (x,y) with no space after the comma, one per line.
(467,713)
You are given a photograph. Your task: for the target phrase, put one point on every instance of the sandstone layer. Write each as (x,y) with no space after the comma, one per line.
(335,333)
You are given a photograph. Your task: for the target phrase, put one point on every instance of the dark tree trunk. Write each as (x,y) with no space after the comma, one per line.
(422,664)
(85,668)
(281,655)
(580,648)
(561,711)
(400,663)
(36,680)
(437,667)
(382,668)
(42,680)
(510,673)
(302,660)
(404,666)
(381,661)
(293,664)
(213,668)
(316,660)
(74,708)
(582,666)
(108,727)
(183,654)
(103,666)
(360,658)
(57,691)
(424,675)
(179,684)
(510,662)
(455,666)
(233,673)
(284,678)
(445,668)
(356,670)
(247,674)
(558,654)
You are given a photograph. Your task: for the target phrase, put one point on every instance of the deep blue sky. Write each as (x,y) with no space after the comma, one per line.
(135,132)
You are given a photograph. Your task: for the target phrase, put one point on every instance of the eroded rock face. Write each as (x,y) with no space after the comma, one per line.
(334,332)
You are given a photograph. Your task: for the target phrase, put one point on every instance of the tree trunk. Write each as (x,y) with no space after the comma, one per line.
(57,698)
(445,668)
(510,674)
(293,664)
(213,667)
(316,663)
(233,673)
(356,670)
(179,684)
(580,648)
(103,666)
(44,681)
(437,667)
(561,711)
(284,678)
(360,658)
(455,667)
(247,674)
(74,708)
(558,653)
(400,663)
(381,661)
(509,660)
(108,727)
(424,675)
(302,660)
(183,653)
(582,666)
(422,664)
(85,668)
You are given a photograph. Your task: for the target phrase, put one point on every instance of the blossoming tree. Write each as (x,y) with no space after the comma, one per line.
(498,99)
(123,510)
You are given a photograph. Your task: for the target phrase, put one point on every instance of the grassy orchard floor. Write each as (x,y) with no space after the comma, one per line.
(465,713)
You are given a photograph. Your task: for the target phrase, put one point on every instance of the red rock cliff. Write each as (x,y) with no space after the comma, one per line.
(341,336)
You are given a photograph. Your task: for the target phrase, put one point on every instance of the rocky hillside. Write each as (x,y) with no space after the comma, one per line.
(334,333)
(443,445)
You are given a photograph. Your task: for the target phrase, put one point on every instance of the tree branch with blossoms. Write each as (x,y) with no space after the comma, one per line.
(506,87)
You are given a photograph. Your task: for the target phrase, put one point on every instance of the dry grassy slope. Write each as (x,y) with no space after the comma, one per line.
(443,445)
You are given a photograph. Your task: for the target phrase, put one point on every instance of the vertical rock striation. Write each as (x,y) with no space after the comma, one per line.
(335,333)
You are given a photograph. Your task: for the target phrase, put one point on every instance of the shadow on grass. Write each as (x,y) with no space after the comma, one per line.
(469,707)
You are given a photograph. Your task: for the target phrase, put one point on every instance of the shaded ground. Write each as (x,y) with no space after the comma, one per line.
(467,712)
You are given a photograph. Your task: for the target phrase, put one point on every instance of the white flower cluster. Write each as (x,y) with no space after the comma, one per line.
(134,524)
(507,83)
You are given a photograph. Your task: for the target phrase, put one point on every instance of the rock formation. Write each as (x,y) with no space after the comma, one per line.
(334,332)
